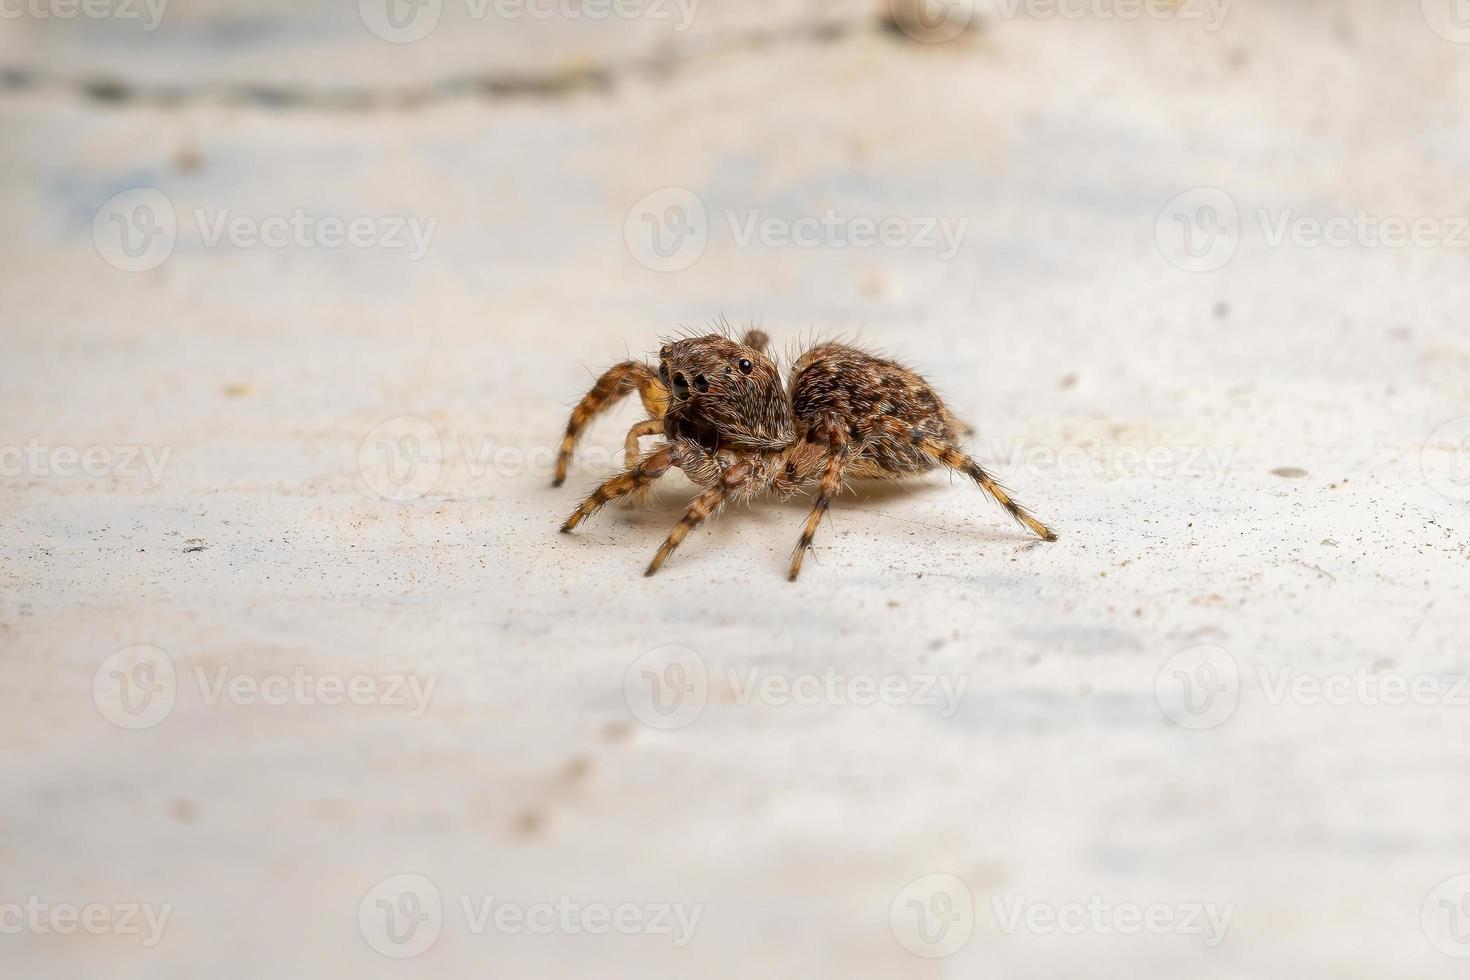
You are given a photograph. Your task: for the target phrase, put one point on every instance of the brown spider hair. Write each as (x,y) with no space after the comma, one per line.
(725,392)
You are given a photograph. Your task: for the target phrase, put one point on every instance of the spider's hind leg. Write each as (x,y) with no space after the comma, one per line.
(946,453)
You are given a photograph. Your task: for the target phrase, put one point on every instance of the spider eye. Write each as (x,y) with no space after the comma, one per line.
(663,373)
(745,366)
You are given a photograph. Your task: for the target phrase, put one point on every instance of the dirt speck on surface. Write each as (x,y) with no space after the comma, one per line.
(184,811)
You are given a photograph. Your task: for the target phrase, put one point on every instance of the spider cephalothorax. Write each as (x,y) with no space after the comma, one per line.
(735,431)
(724,393)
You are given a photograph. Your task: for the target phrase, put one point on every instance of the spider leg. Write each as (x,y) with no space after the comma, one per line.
(837,460)
(962,428)
(631,480)
(756,338)
(948,454)
(651,427)
(615,382)
(708,504)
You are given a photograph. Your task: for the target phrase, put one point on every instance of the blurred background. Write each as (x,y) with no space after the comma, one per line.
(295,298)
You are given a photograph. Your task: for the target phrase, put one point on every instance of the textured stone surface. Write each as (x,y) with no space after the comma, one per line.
(1233,458)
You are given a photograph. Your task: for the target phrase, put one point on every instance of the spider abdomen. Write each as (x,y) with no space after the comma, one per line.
(839,381)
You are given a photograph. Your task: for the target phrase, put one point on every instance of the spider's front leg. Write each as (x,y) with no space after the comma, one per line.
(651,427)
(615,382)
(741,479)
(635,478)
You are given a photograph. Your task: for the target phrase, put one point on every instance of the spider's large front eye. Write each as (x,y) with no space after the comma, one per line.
(745,366)
(663,373)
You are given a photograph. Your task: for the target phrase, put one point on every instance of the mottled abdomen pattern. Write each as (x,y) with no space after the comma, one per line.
(839,382)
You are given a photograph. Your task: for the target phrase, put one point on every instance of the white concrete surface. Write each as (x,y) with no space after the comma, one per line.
(1242,459)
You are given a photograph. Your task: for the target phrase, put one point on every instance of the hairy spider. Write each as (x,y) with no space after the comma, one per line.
(737,432)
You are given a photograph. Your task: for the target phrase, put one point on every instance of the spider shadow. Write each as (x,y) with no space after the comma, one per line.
(670,500)
(653,519)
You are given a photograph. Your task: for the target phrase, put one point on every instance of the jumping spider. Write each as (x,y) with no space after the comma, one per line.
(735,430)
